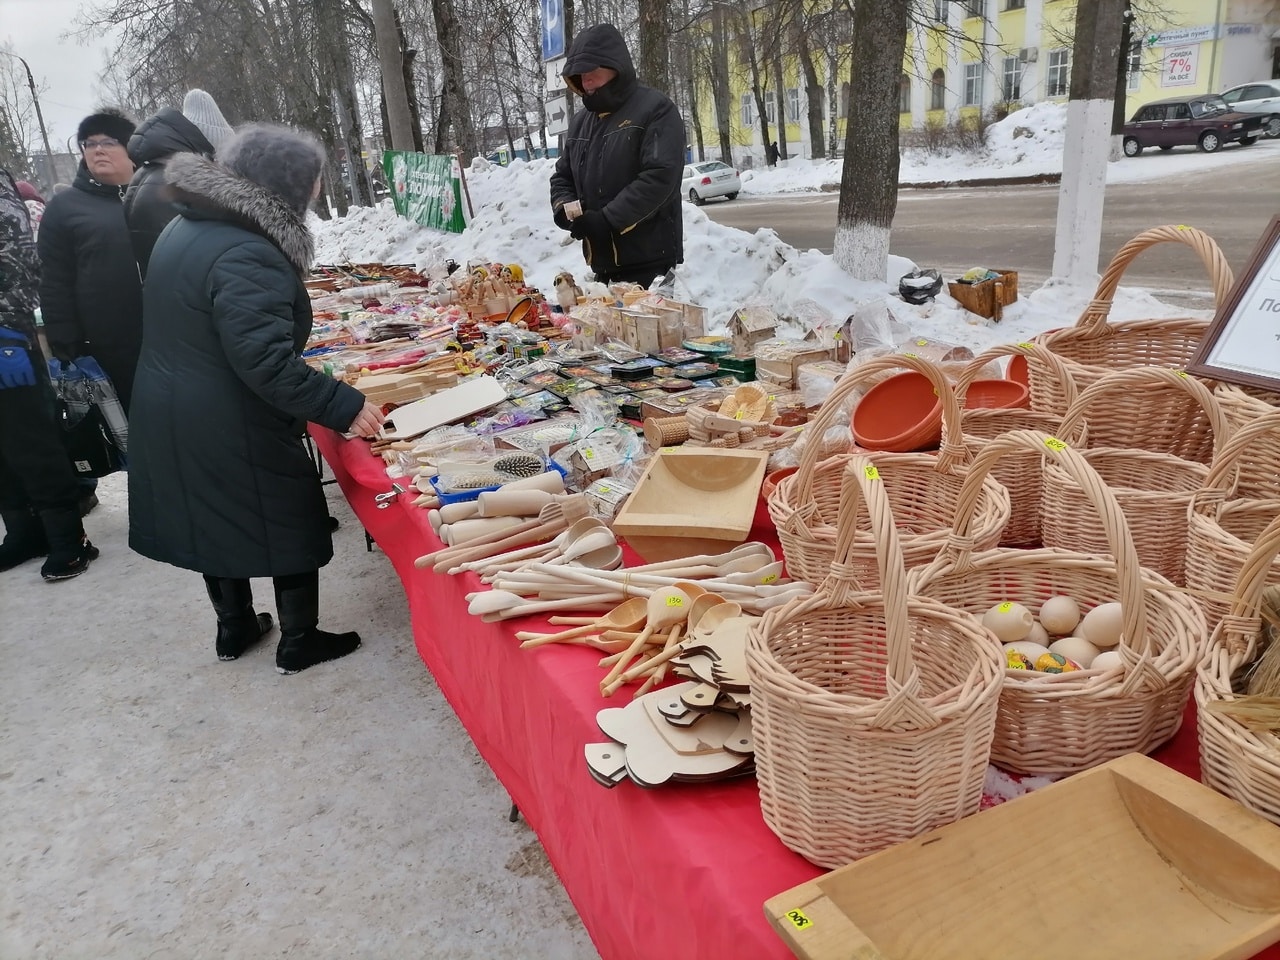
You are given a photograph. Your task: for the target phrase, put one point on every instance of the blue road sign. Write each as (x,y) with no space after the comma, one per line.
(552,29)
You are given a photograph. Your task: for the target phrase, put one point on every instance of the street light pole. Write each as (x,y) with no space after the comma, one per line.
(44,134)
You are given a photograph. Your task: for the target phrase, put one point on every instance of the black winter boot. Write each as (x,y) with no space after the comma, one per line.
(24,538)
(301,644)
(239,628)
(70,551)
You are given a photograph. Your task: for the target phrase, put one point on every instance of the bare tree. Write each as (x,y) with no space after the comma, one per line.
(390,59)
(655,40)
(869,181)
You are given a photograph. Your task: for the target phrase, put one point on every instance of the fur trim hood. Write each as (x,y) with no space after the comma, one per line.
(211,190)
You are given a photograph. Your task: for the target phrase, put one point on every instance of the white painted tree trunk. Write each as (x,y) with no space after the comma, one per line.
(862,251)
(1086,152)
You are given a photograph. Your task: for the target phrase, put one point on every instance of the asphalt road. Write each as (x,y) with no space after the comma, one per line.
(1012,227)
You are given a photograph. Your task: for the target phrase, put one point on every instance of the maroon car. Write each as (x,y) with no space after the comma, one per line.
(1204,120)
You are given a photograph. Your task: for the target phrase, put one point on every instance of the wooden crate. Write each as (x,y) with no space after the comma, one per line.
(987,298)
(1129,859)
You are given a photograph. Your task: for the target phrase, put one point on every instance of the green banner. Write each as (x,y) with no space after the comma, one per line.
(426,189)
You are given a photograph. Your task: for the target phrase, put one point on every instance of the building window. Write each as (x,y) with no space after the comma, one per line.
(904,94)
(940,11)
(1011,87)
(973,84)
(770,108)
(748,110)
(793,104)
(1058,80)
(974,8)
(1015,4)
(938,90)
(1134,66)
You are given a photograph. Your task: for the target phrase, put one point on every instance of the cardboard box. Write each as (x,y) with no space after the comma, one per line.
(778,361)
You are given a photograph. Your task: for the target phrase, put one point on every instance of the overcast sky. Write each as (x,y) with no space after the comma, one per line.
(65,69)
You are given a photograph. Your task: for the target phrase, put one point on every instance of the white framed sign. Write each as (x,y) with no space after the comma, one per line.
(1179,68)
(1242,345)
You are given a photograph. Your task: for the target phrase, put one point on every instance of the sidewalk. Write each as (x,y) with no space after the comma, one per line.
(155,802)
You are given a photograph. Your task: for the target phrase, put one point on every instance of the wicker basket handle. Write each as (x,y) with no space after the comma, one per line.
(1133,379)
(1094,318)
(1237,633)
(1222,471)
(861,484)
(949,456)
(958,553)
(1037,356)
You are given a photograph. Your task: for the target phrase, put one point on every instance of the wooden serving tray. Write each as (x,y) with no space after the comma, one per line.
(1128,860)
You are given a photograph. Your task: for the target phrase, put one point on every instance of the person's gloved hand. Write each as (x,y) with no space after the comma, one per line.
(592,223)
(15,361)
(561,218)
(64,352)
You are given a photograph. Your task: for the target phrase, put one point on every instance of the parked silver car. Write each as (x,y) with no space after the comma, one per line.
(1262,96)
(708,179)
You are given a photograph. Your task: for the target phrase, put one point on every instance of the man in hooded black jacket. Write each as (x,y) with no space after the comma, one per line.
(616,186)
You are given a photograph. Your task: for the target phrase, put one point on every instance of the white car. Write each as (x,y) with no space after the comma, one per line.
(1261,97)
(702,181)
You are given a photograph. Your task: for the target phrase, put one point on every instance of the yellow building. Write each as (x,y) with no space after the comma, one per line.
(1018,52)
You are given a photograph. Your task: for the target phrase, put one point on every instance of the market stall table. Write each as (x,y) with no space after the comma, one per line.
(681,871)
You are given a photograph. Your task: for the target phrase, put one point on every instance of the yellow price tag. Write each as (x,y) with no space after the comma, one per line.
(922,343)
(769,579)
(911,355)
(1027,345)
(1005,607)
(589,453)
(799,920)
(604,489)
(1053,443)
(738,415)
(1182,374)
(871,473)
(675,601)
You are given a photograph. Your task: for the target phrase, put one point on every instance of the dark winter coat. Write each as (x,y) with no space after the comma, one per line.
(90,292)
(19,265)
(148,206)
(624,156)
(219,480)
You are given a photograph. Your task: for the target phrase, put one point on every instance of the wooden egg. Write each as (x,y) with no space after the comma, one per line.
(1075,648)
(1039,635)
(1032,651)
(1059,615)
(1106,660)
(1101,625)
(1055,663)
(1008,621)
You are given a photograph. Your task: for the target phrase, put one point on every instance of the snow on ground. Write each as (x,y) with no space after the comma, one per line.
(726,268)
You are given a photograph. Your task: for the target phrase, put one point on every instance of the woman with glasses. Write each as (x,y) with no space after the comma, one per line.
(90,293)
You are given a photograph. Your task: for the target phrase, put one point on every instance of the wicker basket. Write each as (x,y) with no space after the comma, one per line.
(1020,473)
(1221,530)
(1063,723)
(1235,760)
(1260,466)
(872,713)
(1153,489)
(922,487)
(1094,347)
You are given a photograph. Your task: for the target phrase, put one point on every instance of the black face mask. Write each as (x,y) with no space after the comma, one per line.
(609,97)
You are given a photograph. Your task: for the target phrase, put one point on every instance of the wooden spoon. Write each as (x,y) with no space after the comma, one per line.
(493,605)
(625,616)
(711,619)
(667,607)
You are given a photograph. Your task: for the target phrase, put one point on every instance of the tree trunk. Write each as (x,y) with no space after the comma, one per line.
(654,67)
(1078,240)
(747,45)
(1122,72)
(869,181)
(780,98)
(415,115)
(391,64)
(454,92)
(813,97)
(720,97)
(833,101)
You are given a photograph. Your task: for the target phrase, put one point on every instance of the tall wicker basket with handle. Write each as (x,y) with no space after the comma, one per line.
(1067,722)
(805,507)
(1153,489)
(1237,758)
(1221,530)
(1259,466)
(1020,473)
(872,712)
(1094,347)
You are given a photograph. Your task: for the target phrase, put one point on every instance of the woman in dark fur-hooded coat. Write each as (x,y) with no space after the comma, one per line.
(219,480)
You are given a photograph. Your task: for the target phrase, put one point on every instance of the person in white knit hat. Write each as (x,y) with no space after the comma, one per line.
(199,127)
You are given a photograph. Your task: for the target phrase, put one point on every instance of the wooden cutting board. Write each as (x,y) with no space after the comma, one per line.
(447,406)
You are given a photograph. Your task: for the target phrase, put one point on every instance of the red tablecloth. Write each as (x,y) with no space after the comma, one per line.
(679,872)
